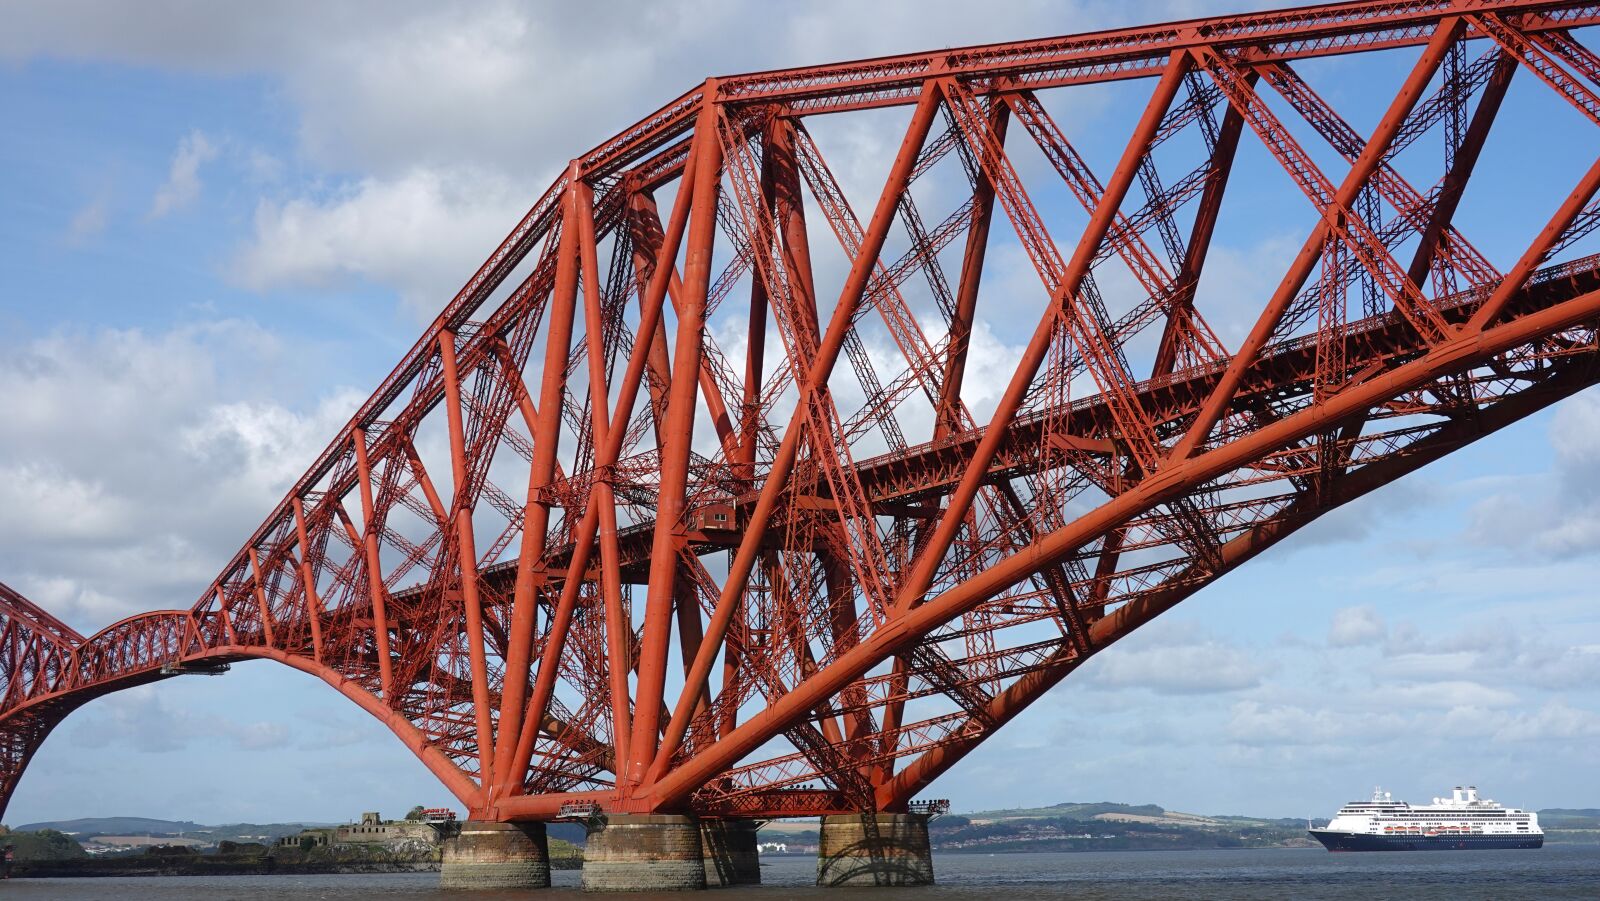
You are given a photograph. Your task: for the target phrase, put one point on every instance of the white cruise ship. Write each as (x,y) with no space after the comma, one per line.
(1460,822)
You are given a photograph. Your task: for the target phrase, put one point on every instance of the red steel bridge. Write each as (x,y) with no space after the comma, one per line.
(684,503)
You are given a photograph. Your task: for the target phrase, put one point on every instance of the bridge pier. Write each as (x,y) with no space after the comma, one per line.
(644,853)
(729,849)
(484,855)
(889,849)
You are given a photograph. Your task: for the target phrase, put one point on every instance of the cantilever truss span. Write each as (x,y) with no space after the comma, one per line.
(706,493)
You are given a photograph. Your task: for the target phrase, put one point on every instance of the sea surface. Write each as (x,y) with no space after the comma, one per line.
(1557,871)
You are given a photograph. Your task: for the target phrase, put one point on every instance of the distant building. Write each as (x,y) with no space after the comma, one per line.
(372,830)
(312,837)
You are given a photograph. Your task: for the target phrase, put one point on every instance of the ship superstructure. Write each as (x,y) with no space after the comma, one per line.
(1460,822)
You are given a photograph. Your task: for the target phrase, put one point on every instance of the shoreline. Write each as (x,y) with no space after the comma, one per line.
(97,868)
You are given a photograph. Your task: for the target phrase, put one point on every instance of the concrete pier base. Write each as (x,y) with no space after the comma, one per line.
(644,853)
(729,849)
(875,849)
(496,856)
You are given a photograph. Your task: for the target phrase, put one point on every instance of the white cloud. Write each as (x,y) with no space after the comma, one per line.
(67,505)
(1554,720)
(1356,626)
(423,232)
(382,88)
(145,719)
(135,463)
(1498,653)
(271,443)
(183,179)
(1565,668)
(1179,665)
(1573,432)
(73,601)
(88,222)
(1448,694)
(438,124)
(1417,664)
(1257,723)
(1555,514)
(1428,729)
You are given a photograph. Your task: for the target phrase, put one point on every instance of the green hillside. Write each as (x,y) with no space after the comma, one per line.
(44,844)
(87,828)
(115,826)
(1570,818)
(1070,810)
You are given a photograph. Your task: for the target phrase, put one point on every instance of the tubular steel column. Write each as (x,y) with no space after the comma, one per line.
(619,627)
(654,299)
(679,433)
(541,472)
(369,548)
(827,355)
(467,558)
(972,258)
(308,580)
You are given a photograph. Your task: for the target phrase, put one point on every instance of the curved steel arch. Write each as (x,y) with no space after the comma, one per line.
(571,549)
(55,671)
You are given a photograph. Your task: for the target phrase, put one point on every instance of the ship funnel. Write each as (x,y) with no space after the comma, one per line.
(1455,795)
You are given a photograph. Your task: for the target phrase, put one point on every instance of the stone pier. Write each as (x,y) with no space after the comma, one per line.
(496,856)
(644,853)
(874,849)
(729,849)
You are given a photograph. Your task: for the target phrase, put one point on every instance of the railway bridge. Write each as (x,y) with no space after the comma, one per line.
(683,514)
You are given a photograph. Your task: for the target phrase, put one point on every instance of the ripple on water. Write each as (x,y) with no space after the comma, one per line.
(1557,871)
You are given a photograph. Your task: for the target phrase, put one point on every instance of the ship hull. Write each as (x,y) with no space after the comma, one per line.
(1346,841)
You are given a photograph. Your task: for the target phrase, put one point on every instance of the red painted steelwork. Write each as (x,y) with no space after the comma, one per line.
(570,552)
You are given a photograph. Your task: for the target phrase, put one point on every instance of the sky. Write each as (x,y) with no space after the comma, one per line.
(222,224)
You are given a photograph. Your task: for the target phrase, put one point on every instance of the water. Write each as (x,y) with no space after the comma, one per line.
(1558,871)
